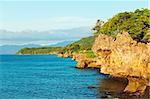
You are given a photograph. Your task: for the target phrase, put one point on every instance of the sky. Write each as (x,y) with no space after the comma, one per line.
(48,15)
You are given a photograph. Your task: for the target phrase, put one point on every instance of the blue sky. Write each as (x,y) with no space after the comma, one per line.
(44,15)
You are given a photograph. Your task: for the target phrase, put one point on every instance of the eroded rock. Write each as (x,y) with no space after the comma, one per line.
(83,61)
(123,57)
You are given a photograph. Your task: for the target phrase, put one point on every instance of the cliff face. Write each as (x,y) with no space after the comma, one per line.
(123,57)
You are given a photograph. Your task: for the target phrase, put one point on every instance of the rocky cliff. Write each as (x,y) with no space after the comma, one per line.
(124,57)
(121,57)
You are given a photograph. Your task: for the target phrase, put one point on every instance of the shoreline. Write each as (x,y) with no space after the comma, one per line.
(138,79)
(133,80)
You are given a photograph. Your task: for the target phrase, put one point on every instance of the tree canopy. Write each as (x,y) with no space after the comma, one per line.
(136,23)
(81,45)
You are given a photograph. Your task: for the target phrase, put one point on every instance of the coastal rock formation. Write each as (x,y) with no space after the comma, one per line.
(124,57)
(65,55)
(83,61)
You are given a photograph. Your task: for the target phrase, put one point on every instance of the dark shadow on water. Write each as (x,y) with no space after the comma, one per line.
(112,88)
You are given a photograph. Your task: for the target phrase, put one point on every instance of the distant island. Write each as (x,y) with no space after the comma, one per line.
(119,47)
(40,50)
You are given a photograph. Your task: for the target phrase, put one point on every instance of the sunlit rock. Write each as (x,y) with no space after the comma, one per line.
(123,57)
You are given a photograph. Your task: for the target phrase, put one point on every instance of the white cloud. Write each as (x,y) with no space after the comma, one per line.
(39,42)
(43,37)
(64,22)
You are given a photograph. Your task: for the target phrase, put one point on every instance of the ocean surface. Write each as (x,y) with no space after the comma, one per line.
(50,77)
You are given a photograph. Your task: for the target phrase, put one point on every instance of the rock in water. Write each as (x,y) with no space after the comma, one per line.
(91,87)
(124,57)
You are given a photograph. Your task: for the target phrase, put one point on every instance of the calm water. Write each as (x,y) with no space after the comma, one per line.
(49,77)
(45,77)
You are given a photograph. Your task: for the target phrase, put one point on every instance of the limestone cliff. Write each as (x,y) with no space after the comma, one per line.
(124,57)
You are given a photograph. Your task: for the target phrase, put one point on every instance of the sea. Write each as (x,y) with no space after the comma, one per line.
(50,77)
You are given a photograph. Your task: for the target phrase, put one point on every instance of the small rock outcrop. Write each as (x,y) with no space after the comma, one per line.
(124,57)
(83,61)
(65,55)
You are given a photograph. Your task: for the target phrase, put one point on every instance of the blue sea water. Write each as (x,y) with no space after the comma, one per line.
(45,77)
(50,77)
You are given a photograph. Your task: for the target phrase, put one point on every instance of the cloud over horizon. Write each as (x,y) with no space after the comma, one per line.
(65,22)
(43,37)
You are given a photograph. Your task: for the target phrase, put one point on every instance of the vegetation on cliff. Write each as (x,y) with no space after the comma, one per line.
(40,50)
(82,46)
(136,23)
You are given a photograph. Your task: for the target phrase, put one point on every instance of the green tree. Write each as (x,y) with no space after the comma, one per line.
(136,23)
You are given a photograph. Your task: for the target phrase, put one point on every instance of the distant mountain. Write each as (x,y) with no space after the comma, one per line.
(38,37)
(61,44)
(12,49)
